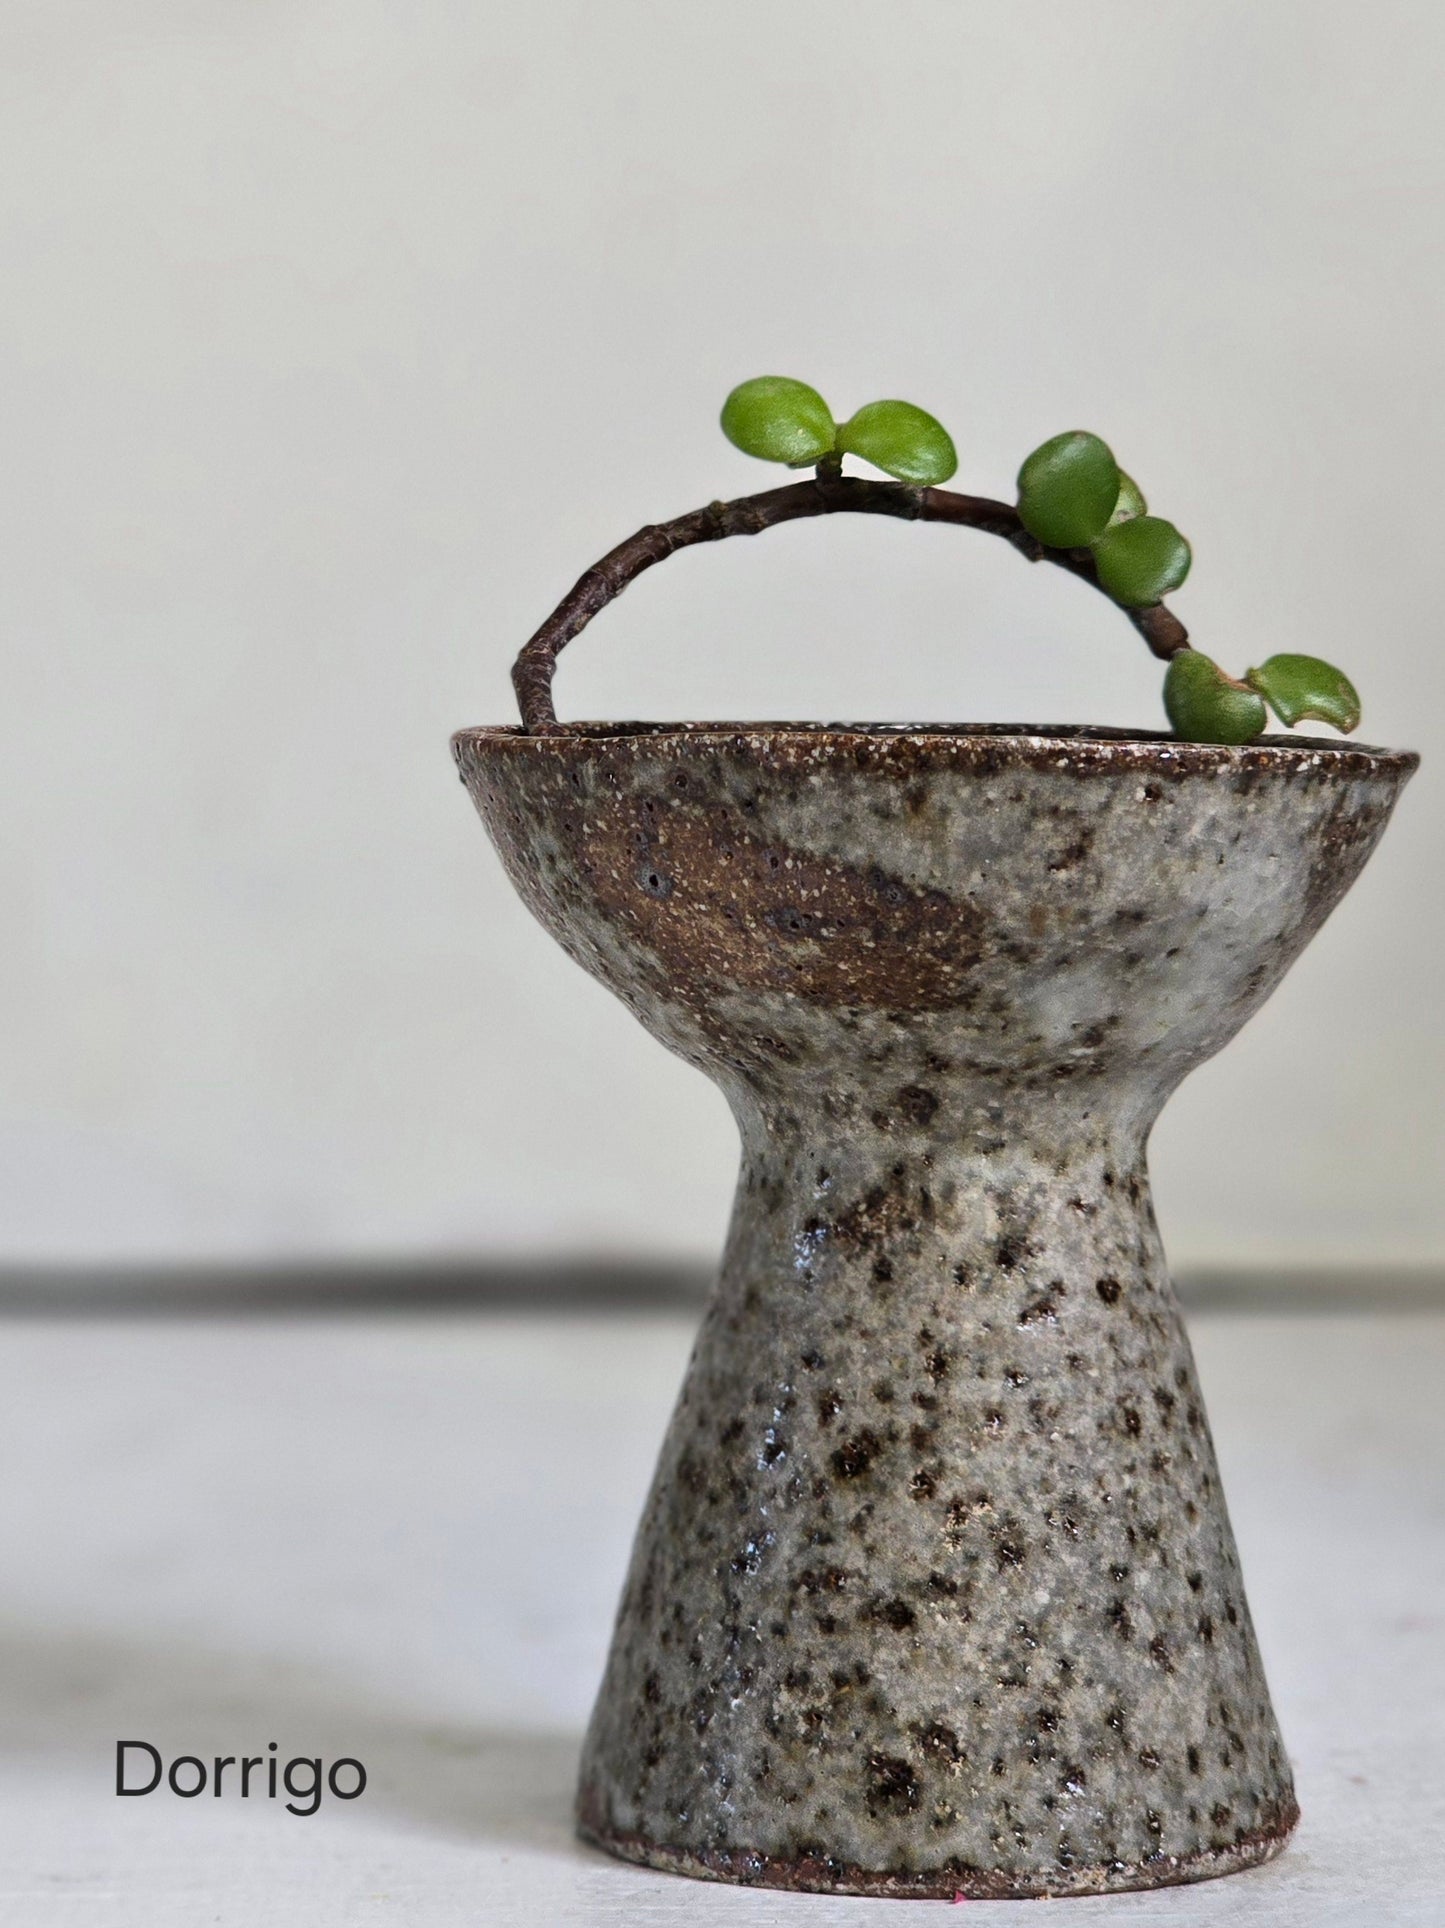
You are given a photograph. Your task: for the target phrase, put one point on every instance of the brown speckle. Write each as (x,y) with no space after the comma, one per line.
(891,1786)
(853,1458)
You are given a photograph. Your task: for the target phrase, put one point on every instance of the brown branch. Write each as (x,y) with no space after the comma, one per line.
(822,494)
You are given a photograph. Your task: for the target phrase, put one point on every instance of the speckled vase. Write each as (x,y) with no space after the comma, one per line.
(935,1591)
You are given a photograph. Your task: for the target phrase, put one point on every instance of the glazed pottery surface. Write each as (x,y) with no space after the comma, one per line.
(935,1591)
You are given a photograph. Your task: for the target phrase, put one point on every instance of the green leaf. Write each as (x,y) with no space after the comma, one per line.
(1068,489)
(1140,561)
(902,441)
(1299,686)
(779,420)
(1206,706)
(1131,501)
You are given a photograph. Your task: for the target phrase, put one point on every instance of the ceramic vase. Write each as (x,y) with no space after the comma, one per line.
(935,1592)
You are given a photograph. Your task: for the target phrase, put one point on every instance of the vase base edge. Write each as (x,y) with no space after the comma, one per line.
(815,1874)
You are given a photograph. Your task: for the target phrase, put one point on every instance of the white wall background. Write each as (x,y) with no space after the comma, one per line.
(335,339)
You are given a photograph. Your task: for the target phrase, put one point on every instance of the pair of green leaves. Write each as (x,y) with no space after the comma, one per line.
(1204,705)
(1074,495)
(780,420)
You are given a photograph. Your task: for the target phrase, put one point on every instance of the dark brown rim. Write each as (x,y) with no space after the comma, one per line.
(1045,745)
(817,1875)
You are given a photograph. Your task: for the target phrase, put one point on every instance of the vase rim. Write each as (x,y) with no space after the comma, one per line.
(1046,745)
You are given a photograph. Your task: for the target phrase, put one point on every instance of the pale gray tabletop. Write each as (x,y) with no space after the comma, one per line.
(400,1538)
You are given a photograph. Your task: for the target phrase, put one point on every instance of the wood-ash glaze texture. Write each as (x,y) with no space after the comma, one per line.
(935,1591)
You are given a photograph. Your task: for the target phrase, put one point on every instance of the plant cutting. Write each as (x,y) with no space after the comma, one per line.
(935,1591)
(1076,508)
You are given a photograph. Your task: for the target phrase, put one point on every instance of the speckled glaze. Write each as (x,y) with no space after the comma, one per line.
(935,1591)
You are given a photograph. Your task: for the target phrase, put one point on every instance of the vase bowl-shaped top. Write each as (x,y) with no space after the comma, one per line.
(1050,908)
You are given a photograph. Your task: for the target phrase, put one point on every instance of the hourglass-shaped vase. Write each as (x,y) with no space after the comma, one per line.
(935,1591)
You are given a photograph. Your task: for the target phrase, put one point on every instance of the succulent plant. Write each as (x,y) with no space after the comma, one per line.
(1075,508)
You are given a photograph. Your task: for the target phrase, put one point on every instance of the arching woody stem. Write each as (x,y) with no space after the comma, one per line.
(823,494)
